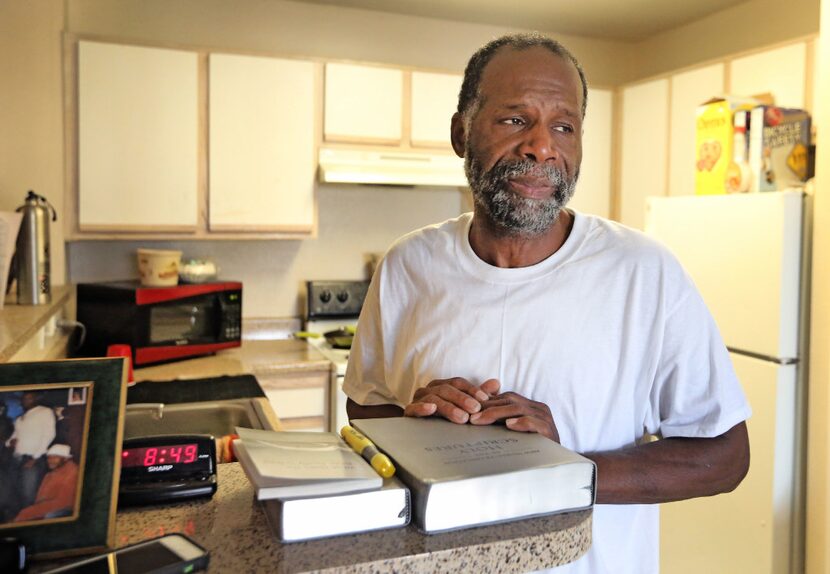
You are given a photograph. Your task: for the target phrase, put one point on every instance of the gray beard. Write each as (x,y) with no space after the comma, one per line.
(513,214)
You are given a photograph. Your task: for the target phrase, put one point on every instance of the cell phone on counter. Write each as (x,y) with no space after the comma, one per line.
(170,554)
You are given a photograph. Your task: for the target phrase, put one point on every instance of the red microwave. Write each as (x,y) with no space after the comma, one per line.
(160,323)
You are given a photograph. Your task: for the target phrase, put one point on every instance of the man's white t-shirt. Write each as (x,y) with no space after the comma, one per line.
(608,331)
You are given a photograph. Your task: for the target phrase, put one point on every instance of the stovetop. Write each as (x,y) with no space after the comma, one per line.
(332,305)
(335,299)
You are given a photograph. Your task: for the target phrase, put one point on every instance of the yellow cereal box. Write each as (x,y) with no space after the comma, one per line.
(713,143)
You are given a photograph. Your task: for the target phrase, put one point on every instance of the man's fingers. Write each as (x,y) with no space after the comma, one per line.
(492,413)
(523,424)
(462,385)
(455,399)
(451,394)
(531,424)
(442,408)
(420,410)
(491,386)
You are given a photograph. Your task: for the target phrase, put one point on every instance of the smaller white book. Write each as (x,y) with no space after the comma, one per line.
(286,464)
(307,518)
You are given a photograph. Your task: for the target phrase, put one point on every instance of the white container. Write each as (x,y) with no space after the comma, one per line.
(197,271)
(159,267)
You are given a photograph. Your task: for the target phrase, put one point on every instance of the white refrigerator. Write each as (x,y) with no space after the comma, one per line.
(748,254)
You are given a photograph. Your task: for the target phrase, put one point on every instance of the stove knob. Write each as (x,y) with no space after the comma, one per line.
(343,296)
(325,296)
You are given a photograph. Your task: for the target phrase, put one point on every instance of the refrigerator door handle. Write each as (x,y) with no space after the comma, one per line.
(762,357)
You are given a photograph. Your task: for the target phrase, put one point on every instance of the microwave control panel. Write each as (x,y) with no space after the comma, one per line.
(231,305)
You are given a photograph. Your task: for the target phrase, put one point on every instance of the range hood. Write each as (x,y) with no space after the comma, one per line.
(391,168)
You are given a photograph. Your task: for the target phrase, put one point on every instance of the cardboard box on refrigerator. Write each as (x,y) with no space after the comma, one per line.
(779,142)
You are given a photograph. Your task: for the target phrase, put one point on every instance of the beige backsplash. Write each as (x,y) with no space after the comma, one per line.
(354,222)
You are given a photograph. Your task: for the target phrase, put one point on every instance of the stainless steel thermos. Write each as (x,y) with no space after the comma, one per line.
(33,287)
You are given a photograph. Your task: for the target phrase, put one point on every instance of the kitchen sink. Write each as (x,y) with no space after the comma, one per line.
(218,418)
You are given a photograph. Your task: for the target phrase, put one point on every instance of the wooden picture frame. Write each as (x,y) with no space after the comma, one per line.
(74,468)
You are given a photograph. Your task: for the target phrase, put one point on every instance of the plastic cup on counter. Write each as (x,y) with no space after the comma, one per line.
(121,350)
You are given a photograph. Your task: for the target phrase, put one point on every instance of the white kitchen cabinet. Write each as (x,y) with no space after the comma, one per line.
(643,148)
(688,90)
(593,191)
(261,145)
(138,111)
(434,101)
(780,71)
(363,104)
(300,399)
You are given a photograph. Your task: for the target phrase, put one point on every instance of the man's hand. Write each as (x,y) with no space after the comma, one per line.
(518,413)
(454,399)
(29,463)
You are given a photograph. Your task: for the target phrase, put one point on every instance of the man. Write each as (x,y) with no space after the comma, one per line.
(58,491)
(34,431)
(550,321)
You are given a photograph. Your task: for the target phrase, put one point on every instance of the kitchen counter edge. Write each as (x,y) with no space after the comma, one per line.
(18,323)
(233,527)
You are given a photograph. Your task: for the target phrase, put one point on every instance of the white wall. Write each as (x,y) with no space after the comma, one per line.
(818,434)
(742,27)
(355,222)
(31,113)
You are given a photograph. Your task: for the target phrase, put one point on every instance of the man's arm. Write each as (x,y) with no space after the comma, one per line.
(661,471)
(673,469)
(356,411)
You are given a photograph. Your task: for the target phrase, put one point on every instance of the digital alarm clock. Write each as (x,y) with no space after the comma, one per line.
(167,468)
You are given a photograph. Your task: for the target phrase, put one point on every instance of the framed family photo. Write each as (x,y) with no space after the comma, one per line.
(61,428)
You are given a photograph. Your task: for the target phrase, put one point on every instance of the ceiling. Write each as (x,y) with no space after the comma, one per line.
(627,20)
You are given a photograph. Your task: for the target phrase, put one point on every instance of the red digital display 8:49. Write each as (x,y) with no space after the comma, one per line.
(160,455)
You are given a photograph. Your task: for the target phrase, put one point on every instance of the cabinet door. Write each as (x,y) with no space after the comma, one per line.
(645,112)
(593,191)
(262,163)
(299,399)
(138,138)
(363,104)
(434,101)
(781,72)
(688,91)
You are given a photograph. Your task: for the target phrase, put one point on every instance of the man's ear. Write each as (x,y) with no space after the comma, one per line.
(458,134)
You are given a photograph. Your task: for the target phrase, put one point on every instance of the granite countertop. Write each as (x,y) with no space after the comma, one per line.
(253,357)
(233,527)
(19,322)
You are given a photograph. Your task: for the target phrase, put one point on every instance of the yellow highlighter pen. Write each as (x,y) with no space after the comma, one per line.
(364,447)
